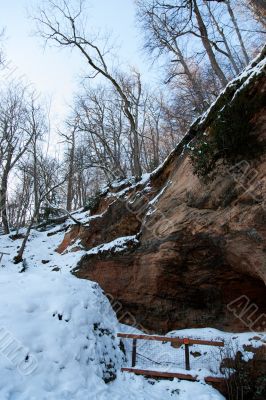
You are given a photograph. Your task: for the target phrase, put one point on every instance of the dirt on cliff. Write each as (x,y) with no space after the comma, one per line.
(199,256)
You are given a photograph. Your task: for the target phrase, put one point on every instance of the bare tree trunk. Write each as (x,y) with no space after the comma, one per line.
(135,127)
(35,180)
(199,96)
(3,193)
(136,158)
(70,176)
(3,203)
(221,32)
(207,45)
(19,257)
(234,21)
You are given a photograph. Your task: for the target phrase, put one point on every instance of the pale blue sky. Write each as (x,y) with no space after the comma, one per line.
(55,72)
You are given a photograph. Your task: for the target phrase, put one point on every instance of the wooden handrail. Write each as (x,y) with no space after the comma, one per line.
(159,374)
(186,341)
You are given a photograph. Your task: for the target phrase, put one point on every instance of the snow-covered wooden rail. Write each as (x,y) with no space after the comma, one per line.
(175,341)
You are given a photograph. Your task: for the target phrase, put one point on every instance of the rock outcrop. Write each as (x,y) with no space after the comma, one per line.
(200,242)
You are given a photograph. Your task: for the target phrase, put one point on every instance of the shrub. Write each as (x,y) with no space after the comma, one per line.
(92,202)
(230,135)
(245,380)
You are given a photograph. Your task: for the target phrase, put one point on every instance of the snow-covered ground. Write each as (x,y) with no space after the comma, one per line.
(58,334)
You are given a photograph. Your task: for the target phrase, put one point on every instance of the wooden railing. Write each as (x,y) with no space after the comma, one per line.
(180,341)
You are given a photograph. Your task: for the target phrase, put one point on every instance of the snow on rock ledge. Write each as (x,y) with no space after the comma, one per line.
(118,245)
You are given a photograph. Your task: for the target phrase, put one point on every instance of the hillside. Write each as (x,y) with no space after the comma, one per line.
(176,248)
(133,200)
(171,251)
(58,334)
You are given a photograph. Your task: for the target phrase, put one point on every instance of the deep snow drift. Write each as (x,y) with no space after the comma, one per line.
(58,334)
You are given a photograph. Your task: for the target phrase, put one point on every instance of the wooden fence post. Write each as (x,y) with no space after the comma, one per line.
(134,352)
(186,342)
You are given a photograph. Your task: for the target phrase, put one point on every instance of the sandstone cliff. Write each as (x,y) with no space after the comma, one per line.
(189,245)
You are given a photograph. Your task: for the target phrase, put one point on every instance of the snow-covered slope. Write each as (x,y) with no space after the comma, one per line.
(53,323)
(58,334)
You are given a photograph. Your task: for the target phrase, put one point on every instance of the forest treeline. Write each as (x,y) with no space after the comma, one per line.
(118,125)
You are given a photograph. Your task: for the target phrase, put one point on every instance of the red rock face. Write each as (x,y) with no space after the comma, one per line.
(69,239)
(201,245)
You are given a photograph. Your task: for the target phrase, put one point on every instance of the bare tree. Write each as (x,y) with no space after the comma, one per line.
(239,35)
(50,180)
(36,126)
(166,23)
(69,137)
(107,140)
(101,120)
(209,30)
(19,202)
(60,24)
(15,138)
(132,86)
(207,43)
(202,43)
(223,35)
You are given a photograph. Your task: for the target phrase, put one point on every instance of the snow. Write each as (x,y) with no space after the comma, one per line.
(51,317)
(144,179)
(118,245)
(120,193)
(122,182)
(131,181)
(84,217)
(151,206)
(122,187)
(61,332)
